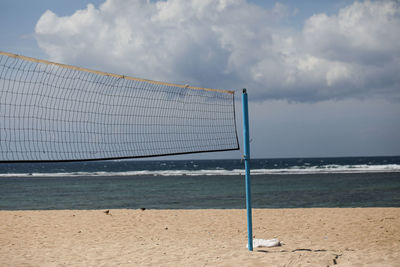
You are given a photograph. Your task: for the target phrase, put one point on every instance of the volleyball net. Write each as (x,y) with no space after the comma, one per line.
(57,112)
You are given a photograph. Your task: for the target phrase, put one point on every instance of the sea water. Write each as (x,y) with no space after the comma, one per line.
(195,184)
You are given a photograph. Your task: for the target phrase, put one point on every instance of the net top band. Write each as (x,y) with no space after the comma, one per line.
(112,74)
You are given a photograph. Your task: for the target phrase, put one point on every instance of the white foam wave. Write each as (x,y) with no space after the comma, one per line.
(331,169)
(222,172)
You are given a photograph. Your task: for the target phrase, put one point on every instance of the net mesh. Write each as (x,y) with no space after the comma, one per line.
(55,112)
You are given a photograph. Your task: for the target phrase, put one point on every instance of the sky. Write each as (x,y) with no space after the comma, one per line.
(322,76)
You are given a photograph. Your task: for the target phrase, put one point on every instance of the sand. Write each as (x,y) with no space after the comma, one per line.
(311,237)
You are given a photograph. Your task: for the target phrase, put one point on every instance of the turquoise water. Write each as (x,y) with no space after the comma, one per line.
(195,184)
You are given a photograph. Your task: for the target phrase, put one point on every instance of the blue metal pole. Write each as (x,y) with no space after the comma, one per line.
(246,143)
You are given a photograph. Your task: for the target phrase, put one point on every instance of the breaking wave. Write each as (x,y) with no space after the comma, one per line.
(322,169)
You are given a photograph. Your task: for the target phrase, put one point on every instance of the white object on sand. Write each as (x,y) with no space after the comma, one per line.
(257,243)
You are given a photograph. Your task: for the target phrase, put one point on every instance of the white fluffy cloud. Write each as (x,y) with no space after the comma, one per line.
(232,44)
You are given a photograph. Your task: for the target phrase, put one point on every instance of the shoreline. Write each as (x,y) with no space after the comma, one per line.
(200,237)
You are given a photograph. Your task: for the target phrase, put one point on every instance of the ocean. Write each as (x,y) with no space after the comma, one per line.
(201,184)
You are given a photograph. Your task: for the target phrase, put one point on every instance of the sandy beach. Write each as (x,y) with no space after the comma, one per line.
(311,237)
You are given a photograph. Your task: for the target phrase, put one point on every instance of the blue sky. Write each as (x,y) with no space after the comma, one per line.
(322,76)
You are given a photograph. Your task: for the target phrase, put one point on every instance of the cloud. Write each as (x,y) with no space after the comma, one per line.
(232,44)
